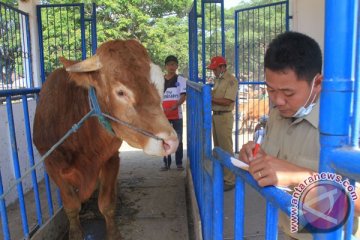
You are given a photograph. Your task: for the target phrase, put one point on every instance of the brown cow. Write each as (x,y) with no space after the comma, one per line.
(251,111)
(121,74)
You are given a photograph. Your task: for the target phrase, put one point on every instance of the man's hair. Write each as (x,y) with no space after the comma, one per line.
(171,58)
(294,51)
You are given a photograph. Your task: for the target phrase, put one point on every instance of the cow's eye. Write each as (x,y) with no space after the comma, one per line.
(120,93)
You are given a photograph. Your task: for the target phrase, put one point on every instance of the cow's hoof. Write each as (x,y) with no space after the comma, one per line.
(75,234)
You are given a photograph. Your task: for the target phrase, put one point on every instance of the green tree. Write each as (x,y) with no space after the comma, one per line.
(160,25)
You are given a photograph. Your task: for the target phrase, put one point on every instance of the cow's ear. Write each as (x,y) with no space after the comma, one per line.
(66,62)
(81,72)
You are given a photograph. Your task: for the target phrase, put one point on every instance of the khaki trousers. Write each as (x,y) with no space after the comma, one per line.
(222,136)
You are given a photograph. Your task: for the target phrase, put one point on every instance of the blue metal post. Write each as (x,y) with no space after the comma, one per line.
(338,78)
(41,44)
(4,217)
(203,45)
(83,37)
(218,196)
(239,209)
(236,65)
(356,112)
(287,16)
(16,165)
(337,86)
(93,30)
(222,29)
(28,42)
(193,44)
(206,113)
(207,203)
(207,119)
(271,230)
(31,158)
(48,194)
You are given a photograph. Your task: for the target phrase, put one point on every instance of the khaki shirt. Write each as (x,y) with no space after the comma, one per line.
(295,141)
(299,143)
(225,87)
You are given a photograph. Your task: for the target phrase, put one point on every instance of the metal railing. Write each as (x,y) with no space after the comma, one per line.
(339,131)
(60,40)
(255,27)
(15,50)
(207,173)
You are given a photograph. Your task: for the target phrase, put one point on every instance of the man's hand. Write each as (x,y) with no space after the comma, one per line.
(245,154)
(268,170)
(174,107)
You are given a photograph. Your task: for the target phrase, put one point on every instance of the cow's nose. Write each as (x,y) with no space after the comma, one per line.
(165,147)
(170,143)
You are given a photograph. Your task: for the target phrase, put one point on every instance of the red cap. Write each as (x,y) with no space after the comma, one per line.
(215,62)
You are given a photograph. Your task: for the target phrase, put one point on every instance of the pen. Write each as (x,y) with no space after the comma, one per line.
(257,146)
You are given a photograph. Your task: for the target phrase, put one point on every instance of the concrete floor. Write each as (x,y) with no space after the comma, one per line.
(157,199)
(152,204)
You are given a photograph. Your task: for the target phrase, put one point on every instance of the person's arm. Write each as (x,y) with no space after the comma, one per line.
(268,170)
(179,102)
(221,101)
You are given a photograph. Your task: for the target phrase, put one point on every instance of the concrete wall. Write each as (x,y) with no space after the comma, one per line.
(30,7)
(309,18)
(6,162)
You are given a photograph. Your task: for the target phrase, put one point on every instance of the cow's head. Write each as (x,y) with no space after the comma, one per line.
(126,86)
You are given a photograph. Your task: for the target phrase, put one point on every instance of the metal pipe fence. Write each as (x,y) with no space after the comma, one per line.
(255,27)
(15,50)
(63,31)
(339,127)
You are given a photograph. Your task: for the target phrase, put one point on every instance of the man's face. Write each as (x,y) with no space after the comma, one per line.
(288,93)
(171,67)
(217,71)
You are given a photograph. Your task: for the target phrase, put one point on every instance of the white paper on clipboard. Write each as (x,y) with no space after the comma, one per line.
(244,166)
(239,164)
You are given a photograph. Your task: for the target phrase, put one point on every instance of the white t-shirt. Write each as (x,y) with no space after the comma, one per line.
(173,88)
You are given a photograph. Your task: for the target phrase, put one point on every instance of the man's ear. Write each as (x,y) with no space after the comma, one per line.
(81,71)
(318,83)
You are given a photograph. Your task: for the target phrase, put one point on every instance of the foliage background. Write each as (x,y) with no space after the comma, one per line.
(161,25)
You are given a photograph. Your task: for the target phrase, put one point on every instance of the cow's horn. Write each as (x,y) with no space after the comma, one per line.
(88,65)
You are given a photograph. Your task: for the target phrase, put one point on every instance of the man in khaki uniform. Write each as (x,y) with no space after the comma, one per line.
(223,101)
(290,152)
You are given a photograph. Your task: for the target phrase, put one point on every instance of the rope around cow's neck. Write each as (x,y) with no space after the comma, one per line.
(94,111)
(95,107)
(139,130)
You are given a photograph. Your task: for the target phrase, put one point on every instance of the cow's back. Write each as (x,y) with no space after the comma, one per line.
(62,104)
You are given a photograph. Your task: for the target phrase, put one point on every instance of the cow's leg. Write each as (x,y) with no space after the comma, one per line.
(107,195)
(69,195)
(75,231)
